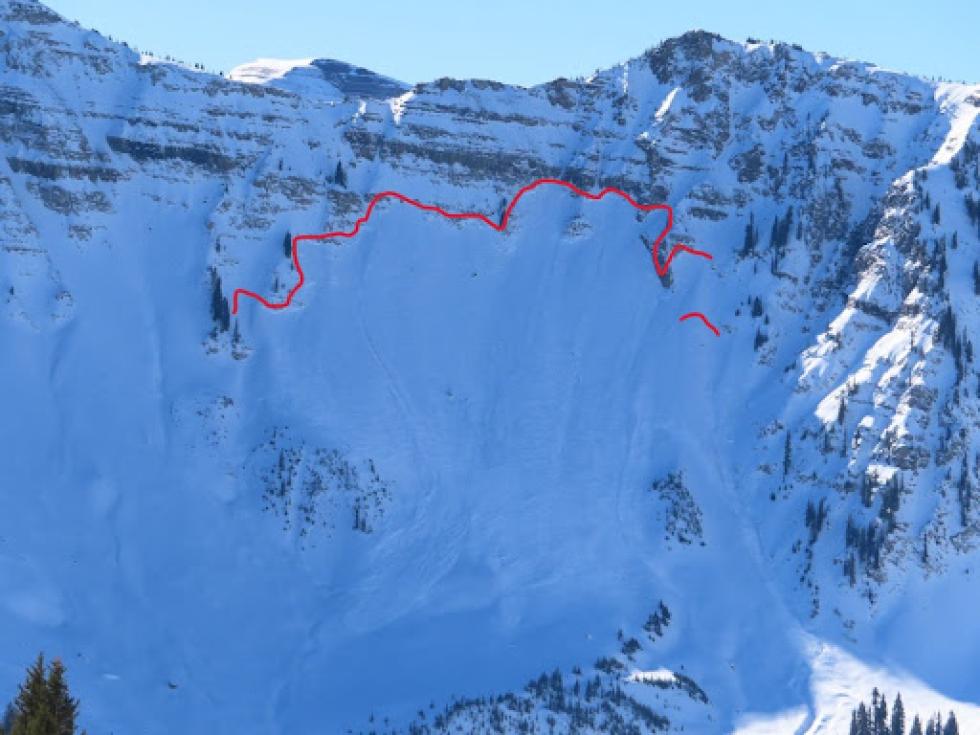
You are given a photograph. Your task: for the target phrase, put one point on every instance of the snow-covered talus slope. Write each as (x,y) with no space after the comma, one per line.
(463,458)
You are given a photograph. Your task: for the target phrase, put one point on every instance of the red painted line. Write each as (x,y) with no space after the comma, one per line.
(377,198)
(703,318)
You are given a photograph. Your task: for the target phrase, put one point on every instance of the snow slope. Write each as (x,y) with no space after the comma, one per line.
(462,458)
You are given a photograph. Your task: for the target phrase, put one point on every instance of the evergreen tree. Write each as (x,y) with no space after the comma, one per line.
(287,245)
(220,311)
(224,319)
(898,716)
(941,264)
(340,176)
(32,707)
(787,226)
(43,705)
(964,492)
(880,713)
(751,236)
(972,209)
(64,707)
(863,721)
(867,494)
(7,721)
(916,726)
(951,727)
(787,454)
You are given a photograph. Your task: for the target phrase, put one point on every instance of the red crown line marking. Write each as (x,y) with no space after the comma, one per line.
(661,269)
(703,318)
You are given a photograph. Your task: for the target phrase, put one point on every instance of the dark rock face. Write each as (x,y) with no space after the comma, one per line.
(357,81)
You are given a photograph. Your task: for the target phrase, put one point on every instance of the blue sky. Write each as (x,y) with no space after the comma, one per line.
(531,41)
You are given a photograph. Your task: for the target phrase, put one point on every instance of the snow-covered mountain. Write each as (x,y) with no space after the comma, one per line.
(463,460)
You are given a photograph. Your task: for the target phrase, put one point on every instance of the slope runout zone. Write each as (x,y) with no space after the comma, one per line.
(661,269)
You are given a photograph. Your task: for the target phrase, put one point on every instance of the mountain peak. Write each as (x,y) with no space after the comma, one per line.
(308,75)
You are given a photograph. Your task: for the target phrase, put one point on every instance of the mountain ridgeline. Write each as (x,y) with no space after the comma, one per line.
(465,460)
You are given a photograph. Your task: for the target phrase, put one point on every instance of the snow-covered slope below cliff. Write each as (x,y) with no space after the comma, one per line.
(463,458)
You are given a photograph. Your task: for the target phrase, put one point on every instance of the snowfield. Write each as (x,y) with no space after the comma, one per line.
(480,481)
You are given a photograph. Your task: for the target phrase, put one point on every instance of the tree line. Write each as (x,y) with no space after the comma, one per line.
(875,719)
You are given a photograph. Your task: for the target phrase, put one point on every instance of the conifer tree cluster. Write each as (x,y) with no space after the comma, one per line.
(43,705)
(874,719)
(815,517)
(958,344)
(966,161)
(778,236)
(939,263)
(964,492)
(865,542)
(220,310)
(781,227)
(657,622)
